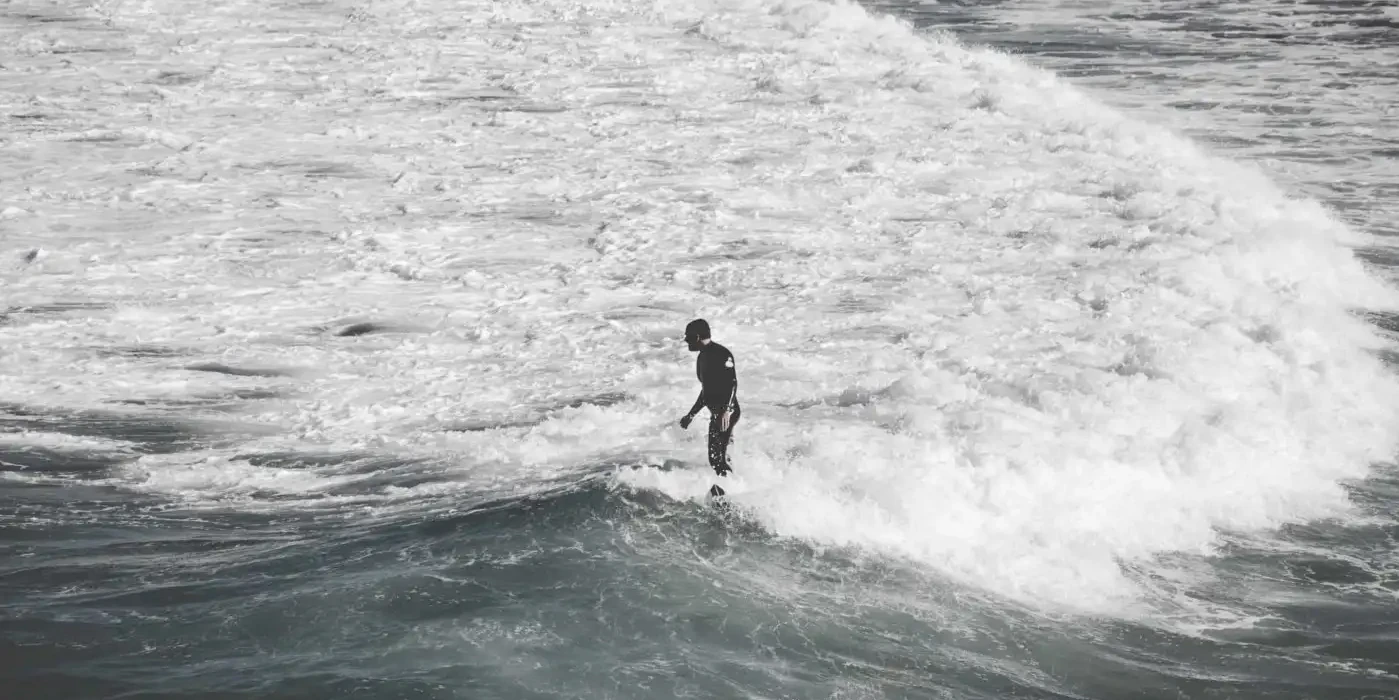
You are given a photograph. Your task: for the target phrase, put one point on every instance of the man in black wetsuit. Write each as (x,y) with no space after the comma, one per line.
(718,392)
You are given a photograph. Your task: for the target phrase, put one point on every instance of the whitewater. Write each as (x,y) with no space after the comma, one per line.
(342,355)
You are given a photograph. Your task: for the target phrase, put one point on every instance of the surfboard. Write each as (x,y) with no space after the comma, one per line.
(715,495)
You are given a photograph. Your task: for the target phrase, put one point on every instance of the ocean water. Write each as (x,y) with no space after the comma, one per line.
(340,349)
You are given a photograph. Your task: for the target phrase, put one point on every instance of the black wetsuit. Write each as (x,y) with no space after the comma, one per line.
(719,393)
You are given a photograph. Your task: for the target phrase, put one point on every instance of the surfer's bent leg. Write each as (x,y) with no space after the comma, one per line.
(719,441)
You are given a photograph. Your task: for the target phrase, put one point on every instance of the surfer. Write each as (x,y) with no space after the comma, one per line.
(718,392)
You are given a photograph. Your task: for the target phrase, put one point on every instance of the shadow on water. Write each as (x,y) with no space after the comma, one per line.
(15,314)
(227,401)
(26,458)
(149,434)
(220,368)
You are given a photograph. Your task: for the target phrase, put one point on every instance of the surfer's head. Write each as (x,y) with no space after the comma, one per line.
(696,334)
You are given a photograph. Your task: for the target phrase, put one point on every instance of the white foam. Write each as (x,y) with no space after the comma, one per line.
(1048,338)
(220,478)
(63,441)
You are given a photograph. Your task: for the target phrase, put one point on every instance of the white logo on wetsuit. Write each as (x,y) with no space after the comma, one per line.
(729,363)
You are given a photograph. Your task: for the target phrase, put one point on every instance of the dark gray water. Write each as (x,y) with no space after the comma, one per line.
(1306,89)
(589,590)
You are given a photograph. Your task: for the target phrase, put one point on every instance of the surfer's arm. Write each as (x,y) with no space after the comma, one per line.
(699,403)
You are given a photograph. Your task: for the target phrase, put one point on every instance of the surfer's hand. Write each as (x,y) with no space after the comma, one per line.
(724,420)
(685,421)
